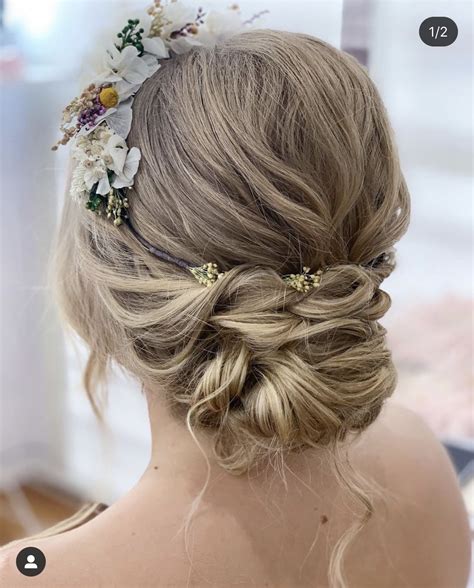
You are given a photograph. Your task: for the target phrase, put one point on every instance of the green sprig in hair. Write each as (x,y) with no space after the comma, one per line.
(130,35)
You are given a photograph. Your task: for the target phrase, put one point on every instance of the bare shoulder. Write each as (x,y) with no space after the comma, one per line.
(11,576)
(68,560)
(426,521)
(9,573)
(62,546)
(418,461)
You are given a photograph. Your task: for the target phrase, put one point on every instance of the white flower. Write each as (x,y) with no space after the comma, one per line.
(102,133)
(116,149)
(91,169)
(125,178)
(152,63)
(125,69)
(103,186)
(120,121)
(91,143)
(124,65)
(219,26)
(175,16)
(183,44)
(155,46)
(96,173)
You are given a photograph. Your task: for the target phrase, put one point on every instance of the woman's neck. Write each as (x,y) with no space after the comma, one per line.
(179,458)
(174,450)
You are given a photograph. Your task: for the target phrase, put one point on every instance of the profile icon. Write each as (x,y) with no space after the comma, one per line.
(30,561)
(31,565)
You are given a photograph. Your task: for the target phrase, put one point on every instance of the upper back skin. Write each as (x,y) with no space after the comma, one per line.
(249,533)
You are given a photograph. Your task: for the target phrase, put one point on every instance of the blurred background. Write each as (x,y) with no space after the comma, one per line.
(53,453)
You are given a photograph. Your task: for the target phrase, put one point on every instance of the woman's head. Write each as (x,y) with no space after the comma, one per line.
(266,153)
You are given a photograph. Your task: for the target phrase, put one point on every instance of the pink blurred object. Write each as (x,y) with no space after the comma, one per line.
(11,63)
(432,349)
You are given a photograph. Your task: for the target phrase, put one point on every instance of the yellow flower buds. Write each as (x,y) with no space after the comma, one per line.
(305,281)
(209,273)
(206,274)
(109,97)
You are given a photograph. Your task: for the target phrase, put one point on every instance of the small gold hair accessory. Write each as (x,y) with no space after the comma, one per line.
(209,273)
(305,281)
(206,274)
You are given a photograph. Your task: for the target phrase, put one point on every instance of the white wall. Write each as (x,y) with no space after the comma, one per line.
(31,346)
(428,95)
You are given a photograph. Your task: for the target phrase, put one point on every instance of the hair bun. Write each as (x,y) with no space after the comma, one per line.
(284,371)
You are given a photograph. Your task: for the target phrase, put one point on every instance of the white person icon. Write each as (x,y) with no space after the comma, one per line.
(30,565)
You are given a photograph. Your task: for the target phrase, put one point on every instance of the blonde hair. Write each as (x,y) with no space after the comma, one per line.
(266,153)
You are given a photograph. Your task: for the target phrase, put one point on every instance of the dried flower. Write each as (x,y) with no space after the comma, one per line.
(109,97)
(305,281)
(206,274)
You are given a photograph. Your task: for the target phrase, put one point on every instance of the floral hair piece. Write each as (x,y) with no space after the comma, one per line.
(99,120)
